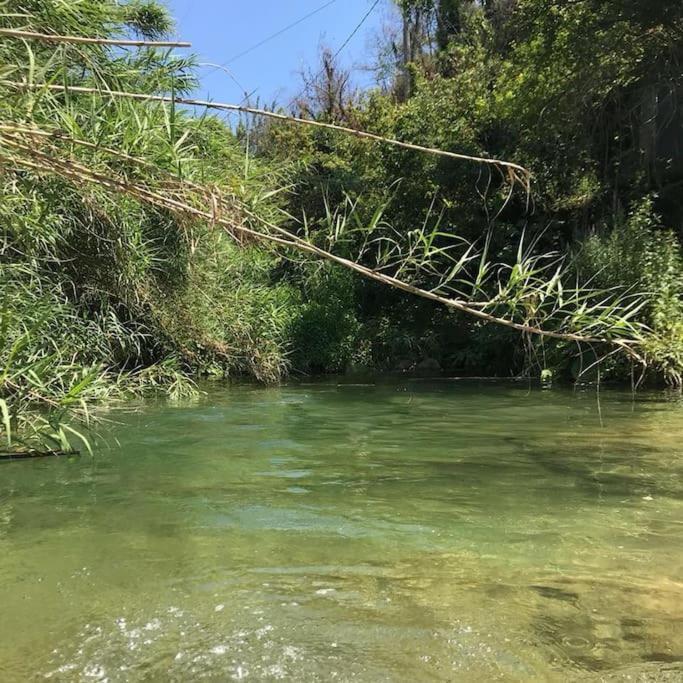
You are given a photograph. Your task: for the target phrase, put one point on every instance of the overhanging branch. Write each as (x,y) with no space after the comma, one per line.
(83,40)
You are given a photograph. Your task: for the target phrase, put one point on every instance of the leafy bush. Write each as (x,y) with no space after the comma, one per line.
(640,252)
(325,332)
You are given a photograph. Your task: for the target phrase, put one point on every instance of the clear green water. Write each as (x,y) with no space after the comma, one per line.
(445,531)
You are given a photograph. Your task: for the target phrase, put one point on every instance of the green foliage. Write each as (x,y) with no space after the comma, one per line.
(232,317)
(586,95)
(325,334)
(148,18)
(640,252)
(41,382)
(102,294)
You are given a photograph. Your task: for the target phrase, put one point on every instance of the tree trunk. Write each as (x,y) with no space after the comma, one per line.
(649,108)
(406,84)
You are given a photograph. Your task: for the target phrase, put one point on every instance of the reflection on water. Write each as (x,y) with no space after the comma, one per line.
(444,531)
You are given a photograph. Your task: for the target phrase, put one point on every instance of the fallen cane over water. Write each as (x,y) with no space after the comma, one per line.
(34,455)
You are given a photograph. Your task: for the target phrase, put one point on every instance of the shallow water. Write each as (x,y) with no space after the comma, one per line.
(415,531)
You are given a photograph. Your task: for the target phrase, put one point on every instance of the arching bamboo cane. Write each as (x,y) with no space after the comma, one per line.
(515,171)
(83,40)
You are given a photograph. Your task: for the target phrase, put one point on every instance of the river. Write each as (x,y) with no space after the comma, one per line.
(403,531)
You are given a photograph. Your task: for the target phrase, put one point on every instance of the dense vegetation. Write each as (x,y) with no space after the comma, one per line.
(585,94)
(103,295)
(106,293)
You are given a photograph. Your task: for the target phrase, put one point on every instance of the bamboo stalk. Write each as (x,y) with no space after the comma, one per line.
(83,40)
(515,171)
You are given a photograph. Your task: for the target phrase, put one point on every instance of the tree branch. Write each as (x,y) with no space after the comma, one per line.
(82,40)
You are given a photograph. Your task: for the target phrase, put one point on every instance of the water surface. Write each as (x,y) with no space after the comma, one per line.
(414,531)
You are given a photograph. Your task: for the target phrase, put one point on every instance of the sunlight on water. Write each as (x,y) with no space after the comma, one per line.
(446,531)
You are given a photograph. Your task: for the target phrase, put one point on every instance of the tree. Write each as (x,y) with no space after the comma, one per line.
(328,93)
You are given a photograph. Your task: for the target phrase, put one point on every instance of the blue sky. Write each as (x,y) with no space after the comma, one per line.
(221,29)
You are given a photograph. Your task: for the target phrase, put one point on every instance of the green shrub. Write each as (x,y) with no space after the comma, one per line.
(640,252)
(325,333)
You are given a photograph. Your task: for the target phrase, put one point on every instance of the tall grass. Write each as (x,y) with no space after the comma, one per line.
(103,295)
(638,249)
